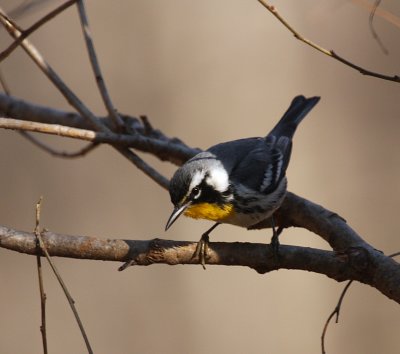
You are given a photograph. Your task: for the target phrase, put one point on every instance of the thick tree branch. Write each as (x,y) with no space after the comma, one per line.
(352,258)
(375,268)
(295,211)
(353,265)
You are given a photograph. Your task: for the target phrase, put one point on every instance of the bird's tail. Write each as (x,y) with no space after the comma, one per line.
(297,110)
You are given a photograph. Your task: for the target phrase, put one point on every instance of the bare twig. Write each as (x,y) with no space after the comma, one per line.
(336,310)
(386,15)
(40,277)
(144,167)
(148,128)
(32,139)
(4,84)
(329,53)
(27,6)
(38,59)
(34,54)
(17,108)
(96,67)
(372,28)
(64,154)
(71,301)
(25,33)
(165,150)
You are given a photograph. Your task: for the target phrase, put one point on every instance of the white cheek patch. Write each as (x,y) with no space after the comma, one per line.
(218,178)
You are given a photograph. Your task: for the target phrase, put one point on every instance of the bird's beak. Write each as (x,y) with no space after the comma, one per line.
(178,210)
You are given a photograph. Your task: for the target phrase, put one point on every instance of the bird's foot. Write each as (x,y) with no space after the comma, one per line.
(202,249)
(275,242)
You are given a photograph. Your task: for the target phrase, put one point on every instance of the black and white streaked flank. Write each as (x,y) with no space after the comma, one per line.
(243,180)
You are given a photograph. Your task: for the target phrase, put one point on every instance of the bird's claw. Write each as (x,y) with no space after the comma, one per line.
(202,250)
(275,242)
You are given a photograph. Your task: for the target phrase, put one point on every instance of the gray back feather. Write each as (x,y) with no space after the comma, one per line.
(261,163)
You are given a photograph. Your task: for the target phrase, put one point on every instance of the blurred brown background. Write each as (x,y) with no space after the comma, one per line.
(205,71)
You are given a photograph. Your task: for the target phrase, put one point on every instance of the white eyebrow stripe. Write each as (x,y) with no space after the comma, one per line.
(196,180)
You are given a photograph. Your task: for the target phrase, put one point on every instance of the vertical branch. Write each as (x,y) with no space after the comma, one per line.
(96,67)
(40,276)
(71,301)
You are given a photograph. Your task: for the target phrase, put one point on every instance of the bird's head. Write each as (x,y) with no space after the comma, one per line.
(200,189)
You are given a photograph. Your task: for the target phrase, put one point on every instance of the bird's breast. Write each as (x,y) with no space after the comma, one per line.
(210,211)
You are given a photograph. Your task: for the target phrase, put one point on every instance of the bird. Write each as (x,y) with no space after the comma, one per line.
(240,182)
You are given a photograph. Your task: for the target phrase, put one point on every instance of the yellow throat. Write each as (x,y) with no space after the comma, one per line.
(209,211)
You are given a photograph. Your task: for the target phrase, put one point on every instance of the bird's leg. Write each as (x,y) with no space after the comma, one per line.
(275,238)
(202,246)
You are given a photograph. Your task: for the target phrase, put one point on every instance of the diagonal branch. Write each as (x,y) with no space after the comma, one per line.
(96,67)
(70,96)
(375,35)
(26,33)
(43,250)
(329,53)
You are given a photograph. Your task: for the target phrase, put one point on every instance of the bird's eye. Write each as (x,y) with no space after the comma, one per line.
(196,192)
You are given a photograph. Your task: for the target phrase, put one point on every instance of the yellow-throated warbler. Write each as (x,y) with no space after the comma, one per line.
(240,182)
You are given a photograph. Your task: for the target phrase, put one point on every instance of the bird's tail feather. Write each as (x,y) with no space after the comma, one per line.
(297,110)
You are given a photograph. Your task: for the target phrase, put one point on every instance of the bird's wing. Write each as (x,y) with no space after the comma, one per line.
(257,163)
(262,169)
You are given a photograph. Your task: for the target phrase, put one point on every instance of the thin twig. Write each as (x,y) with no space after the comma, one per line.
(338,307)
(40,277)
(96,67)
(4,84)
(157,147)
(329,53)
(64,154)
(148,128)
(336,312)
(386,15)
(71,301)
(27,6)
(38,59)
(146,168)
(25,33)
(372,28)
(34,54)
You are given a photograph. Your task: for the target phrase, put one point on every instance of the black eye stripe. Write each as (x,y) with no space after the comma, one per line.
(208,195)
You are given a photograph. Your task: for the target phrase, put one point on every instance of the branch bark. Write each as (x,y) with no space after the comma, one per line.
(352,258)
(53,121)
(357,259)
